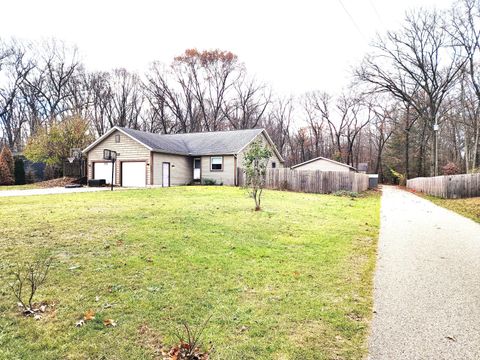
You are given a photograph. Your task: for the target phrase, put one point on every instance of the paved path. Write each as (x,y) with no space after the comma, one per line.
(427,282)
(48,191)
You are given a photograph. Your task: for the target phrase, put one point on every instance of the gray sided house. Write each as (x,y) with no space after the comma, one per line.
(145,158)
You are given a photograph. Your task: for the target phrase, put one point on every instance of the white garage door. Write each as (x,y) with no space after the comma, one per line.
(134,174)
(102,170)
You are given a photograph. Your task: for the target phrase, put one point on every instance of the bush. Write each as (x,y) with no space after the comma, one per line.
(346,193)
(19,172)
(51,172)
(26,279)
(398,178)
(208,182)
(6,167)
(450,169)
(6,155)
(5,177)
(30,177)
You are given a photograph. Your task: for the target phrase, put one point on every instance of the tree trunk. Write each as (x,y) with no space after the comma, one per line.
(407,154)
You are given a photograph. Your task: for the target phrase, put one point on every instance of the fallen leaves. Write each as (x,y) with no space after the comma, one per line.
(183,351)
(109,323)
(90,315)
(36,310)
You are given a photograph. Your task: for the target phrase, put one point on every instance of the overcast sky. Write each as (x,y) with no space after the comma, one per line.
(293,45)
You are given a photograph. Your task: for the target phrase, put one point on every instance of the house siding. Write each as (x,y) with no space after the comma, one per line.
(265,142)
(128,149)
(323,165)
(226,176)
(181,168)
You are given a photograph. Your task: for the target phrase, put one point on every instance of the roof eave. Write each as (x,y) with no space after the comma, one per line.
(269,140)
(322,158)
(108,133)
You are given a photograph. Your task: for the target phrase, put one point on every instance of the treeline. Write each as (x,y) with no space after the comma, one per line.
(411,110)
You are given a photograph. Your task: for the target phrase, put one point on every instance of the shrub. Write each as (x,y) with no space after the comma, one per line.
(30,177)
(398,177)
(6,155)
(450,169)
(346,193)
(207,181)
(19,172)
(6,177)
(6,167)
(190,347)
(26,279)
(51,172)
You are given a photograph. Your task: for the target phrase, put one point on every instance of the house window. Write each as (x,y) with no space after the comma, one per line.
(117,138)
(274,164)
(216,163)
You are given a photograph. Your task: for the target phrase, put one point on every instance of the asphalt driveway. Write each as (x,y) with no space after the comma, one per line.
(427,282)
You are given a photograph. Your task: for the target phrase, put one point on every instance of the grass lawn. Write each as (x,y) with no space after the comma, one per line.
(18,187)
(467,207)
(293,281)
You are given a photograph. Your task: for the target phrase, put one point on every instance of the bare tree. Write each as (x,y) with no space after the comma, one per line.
(249,104)
(14,67)
(416,65)
(279,121)
(50,86)
(126,99)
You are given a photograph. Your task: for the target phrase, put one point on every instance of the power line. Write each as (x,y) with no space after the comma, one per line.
(352,19)
(376,11)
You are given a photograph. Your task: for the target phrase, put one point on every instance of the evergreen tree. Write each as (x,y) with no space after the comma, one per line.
(6,167)
(19,171)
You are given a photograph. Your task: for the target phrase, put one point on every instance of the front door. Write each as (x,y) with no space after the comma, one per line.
(165,174)
(196,169)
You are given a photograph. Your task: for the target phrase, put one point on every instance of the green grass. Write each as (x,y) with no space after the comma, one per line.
(293,281)
(18,187)
(467,207)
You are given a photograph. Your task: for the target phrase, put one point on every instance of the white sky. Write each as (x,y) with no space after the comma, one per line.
(295,46)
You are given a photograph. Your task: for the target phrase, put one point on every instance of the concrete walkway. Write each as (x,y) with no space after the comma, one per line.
(427,282)
(49,191)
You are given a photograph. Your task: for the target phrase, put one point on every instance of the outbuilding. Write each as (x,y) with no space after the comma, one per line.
(323,164)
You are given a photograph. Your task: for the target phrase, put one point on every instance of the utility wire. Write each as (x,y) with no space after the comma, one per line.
(376,12)
(352,19)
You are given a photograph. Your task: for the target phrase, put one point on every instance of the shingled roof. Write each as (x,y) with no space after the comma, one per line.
(192,144)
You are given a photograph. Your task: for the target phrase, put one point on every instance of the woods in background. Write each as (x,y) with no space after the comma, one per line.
(411,110)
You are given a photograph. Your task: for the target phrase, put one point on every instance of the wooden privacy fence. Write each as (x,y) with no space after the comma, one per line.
(75,169)
(449,186)
(311,181)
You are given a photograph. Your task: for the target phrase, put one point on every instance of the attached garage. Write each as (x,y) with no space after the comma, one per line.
(134,174)
(103,170)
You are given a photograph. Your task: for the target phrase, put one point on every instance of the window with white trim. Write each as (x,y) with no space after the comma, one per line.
(117,138)
(216,163)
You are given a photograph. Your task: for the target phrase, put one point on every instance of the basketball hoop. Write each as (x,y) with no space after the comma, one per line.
(76,153)
(110,155)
